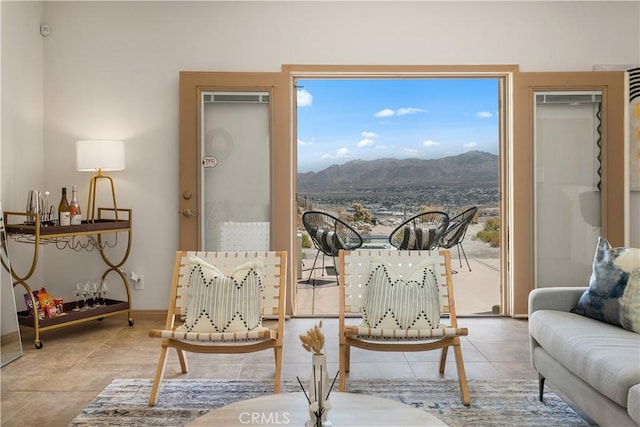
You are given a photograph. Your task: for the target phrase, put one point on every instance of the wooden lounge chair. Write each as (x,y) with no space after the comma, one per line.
(398,299)
(217,305)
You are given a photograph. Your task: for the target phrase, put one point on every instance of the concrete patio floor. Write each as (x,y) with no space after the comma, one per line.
(477,292)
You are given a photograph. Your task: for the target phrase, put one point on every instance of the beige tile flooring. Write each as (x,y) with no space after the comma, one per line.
(50,386)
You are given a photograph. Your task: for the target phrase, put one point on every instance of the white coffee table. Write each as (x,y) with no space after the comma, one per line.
(291,409)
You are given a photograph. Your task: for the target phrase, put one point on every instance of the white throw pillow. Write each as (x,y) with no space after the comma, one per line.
(394,301)
(219,303)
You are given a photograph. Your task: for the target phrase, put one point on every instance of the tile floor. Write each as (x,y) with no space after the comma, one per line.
(50,386)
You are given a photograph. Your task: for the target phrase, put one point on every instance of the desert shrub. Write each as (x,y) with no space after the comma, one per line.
(361,213)
(430,208)
(306,241)
(490,232)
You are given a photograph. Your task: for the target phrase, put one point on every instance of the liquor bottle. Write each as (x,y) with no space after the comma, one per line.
(64,215)
(74,208)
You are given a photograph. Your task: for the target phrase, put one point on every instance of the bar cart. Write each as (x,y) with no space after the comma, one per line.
(30,230)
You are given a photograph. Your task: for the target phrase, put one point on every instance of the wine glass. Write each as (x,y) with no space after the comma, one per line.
(86,291)
(77,293)
(95,292)
(104,289)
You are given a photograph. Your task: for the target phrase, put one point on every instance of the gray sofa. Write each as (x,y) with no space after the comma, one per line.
(594,364)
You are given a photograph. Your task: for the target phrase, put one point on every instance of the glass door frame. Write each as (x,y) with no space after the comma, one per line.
(504,73)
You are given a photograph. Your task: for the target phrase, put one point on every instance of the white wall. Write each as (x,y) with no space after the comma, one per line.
(22,165)
(111,71)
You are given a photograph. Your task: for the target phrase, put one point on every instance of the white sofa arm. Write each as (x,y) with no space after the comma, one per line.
(556,298)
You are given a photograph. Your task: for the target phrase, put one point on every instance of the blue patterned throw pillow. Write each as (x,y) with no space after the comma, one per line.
(614,289)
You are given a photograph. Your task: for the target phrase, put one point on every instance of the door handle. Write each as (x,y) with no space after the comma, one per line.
(187,213)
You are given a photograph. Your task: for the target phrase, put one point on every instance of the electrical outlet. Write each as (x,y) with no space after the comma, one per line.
(139,284)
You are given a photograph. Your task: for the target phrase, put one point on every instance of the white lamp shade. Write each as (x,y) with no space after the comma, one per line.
(106,155)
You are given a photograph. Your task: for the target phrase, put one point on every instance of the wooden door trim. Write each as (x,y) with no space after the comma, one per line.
(192,84)
(611,83)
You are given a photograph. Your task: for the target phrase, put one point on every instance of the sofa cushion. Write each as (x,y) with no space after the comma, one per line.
(607,357)
(330,241)
(416,238)
(614,289)
(633,403)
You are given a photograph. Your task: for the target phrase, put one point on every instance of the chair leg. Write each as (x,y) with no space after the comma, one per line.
(348,359)
(462,376)
(540,386)
(157,379)
(342,366)
(459,257)
(465,256)
(443,358)
(313,267)
(278,377)
(182,357)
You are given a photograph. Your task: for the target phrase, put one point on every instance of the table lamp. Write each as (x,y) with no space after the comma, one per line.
(99,156)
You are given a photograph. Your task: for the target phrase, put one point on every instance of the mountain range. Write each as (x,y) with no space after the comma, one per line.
(475,168)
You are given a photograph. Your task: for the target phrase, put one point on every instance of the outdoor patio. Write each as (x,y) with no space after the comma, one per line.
(477,292)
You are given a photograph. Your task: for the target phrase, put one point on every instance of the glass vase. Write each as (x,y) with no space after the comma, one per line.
(319,388)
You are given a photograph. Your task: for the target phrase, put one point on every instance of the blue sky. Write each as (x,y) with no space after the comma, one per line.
(347,119)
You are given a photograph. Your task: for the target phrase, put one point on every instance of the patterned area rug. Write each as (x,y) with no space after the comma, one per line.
(493,403)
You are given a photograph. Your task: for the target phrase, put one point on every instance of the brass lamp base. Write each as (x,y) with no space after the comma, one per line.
(91,204)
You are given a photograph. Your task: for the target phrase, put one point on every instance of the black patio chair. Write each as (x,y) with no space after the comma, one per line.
(329,235)
(456,231)
(421,232)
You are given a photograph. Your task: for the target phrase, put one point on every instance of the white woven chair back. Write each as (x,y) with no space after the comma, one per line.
(226,262)
(356,271)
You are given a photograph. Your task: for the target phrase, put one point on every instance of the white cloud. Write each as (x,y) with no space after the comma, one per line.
(301,142)
(305,98)
(410,110)
(340,153)
(387,112)
(365,143)
(430,143)
(369,134)
(343,152)
(484,114)
(470,145)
